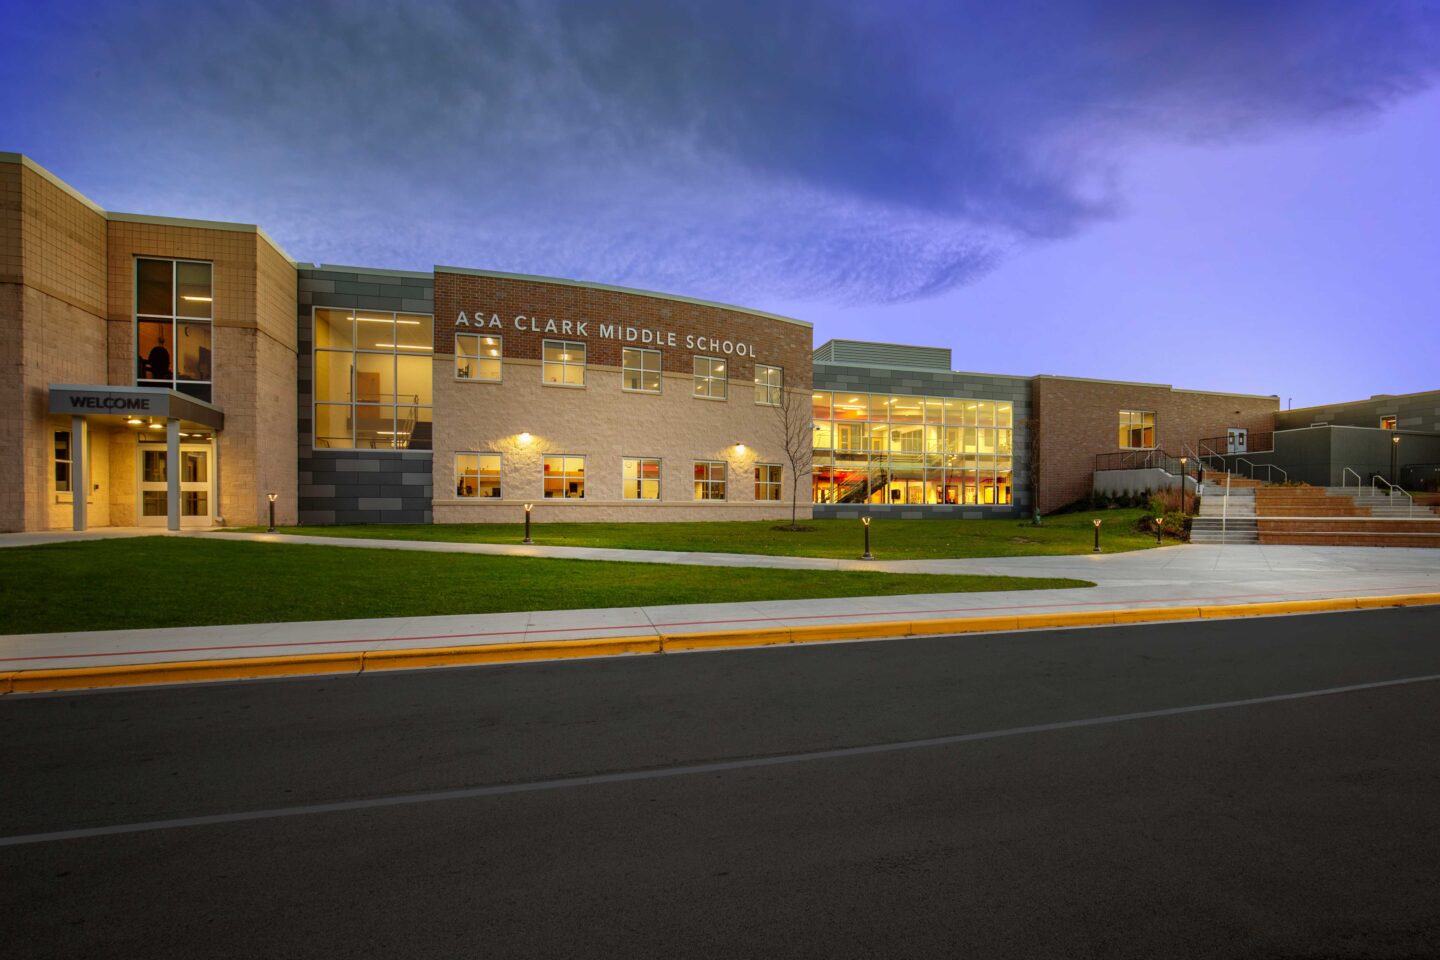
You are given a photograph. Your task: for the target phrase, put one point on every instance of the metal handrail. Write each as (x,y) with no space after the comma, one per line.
(1359,480)
(1410,512)
(1270,469)
(1209,455)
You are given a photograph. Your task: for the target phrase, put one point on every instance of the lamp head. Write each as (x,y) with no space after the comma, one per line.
(865,520)
(272,497)
(1096,521)
(1395,439)
(529,507)
(525,436)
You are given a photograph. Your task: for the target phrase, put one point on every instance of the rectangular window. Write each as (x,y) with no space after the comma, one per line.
(563,363)
(477,475)
(1387,423)
(640,370)
(1137,429)
(711,380)
(564,478)
(767,481)
(173,313)
(769,385)
(63,461)
(709,479)
(373,374)
(478,356)
(640,478)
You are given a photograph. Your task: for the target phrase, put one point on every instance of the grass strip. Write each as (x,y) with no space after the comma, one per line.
(183,582)
(926,539)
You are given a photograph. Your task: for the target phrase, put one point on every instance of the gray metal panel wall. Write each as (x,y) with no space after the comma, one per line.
(1415,411)
(938,383)
(865,354)
(358,486)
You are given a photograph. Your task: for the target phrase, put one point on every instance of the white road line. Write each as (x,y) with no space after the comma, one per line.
(503,789)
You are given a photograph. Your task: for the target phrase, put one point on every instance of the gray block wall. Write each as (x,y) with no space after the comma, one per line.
(358,486)
(1412,411)
(937,383)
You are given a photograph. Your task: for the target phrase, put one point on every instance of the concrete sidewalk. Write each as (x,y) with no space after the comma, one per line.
(1171,576)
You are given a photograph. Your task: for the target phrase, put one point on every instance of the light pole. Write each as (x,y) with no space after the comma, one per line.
(1183,461)
(272,497)
(527,539)
(1096,521)
(1395,459)
(867,555)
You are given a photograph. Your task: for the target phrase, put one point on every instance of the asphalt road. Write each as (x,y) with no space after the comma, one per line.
(694,817)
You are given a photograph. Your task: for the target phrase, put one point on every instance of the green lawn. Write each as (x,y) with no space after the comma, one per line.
(890,539)
(172,582)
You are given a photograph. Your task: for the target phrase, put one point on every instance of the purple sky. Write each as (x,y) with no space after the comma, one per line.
(1214,193)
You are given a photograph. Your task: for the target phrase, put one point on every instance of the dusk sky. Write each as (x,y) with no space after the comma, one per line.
(1226,195)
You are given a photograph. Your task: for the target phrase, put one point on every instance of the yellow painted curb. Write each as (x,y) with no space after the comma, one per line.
(1398,600)
(1154,614)
(1283,606)
(6,682)
(1037,621)
(763,637)
(875,630)
(136,674)
(962,625)
(507,652)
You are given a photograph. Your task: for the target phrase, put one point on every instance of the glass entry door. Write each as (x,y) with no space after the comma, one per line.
(196,495)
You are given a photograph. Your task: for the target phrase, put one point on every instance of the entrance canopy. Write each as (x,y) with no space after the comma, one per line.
(124,404)
(141,408)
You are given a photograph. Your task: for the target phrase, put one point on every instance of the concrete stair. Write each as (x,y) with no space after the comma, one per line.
(1380,505)
(1219,522)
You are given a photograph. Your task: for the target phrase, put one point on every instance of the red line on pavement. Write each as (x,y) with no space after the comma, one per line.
(1184,601)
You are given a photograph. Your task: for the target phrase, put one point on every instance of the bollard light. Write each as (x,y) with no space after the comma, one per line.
(1394,461)
(528,508)
(867,555)
(272,497)
(1159,530)
(1183,461)
(1096,521)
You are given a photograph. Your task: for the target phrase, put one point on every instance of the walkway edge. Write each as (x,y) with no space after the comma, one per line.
(340,664)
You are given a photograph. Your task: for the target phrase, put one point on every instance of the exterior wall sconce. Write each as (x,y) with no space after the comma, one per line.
(525,437)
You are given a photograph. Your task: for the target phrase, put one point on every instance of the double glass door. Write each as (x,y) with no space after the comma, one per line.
(196,494)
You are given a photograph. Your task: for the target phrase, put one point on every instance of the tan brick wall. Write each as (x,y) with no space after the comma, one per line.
(1079,419)
(604,424)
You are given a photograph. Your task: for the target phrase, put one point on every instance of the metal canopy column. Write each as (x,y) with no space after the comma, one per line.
(172,474)
(79,470)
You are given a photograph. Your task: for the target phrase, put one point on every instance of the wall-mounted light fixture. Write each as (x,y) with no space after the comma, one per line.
(525,437)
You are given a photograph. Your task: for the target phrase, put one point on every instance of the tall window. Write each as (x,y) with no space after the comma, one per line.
(1137,429)
(769,385)
(564,478)
(709,479)
(373,373)
(711,380)
(767,481)
(640,370)
(477,475)
(563,363)
(63,461)
(477,356)
(173,313)
(640,478)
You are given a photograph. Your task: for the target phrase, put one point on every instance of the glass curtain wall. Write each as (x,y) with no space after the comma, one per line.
(890,449)
(373,378)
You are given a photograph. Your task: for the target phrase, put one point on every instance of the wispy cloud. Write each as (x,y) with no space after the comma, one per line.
(851,151)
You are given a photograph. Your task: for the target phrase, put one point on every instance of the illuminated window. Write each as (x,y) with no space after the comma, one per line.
(1387,423)
(640,478)
(769,385)
(640,370)
(173,312)
(373,373)
(564,478)
(709,479)
(1137,429)
(478,356)
(711,380)
(477,475)
(767,481)
(62,461)
(563,363)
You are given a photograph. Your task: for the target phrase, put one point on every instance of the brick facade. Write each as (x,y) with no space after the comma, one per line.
(1075,420)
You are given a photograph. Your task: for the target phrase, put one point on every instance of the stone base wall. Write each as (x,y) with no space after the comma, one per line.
(365,486)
